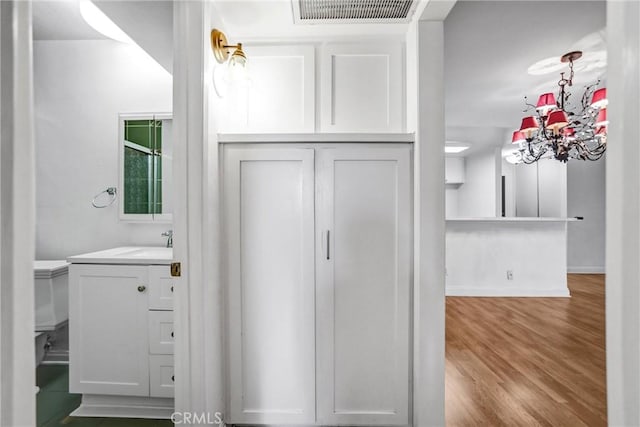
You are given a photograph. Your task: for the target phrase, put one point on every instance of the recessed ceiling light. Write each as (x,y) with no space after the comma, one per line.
(101,22)
(452,149)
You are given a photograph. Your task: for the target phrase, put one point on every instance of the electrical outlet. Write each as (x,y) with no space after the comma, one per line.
(509,274)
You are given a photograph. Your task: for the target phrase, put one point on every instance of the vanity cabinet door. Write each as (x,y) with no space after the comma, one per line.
(363,247)
(161,285)
(108,333)
(269,269)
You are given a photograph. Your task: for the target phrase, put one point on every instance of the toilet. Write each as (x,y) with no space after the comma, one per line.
(51,295)
(41,346)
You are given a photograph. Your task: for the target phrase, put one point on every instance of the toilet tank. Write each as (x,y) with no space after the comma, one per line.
(51,279)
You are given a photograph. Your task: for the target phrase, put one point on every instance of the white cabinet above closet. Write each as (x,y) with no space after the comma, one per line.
(280,94)
(318,256)
(316,87)
(362,87)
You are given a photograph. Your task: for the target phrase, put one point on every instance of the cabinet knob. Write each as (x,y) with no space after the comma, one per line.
(172,379)
(141,288)
(171,334)
(172,289)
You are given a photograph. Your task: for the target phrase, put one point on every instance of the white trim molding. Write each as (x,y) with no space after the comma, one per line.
(429,232)
(474,291)
(622,221)
(17,216)
(595,269)
(199,380)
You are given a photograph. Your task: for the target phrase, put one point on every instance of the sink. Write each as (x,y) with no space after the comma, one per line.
(146,255)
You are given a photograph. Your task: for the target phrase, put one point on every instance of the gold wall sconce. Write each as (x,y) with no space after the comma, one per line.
(221,49)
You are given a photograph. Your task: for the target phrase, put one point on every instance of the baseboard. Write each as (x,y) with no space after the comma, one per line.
(585,270)
(124,407)
(468,291)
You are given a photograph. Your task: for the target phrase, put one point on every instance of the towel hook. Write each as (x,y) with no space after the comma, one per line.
(111,191)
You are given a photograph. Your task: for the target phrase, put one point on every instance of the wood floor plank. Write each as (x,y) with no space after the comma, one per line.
(528,361)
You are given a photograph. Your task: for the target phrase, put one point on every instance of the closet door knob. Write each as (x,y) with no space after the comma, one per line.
(141,288)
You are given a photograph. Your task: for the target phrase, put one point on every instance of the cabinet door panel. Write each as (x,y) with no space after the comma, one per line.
(161,335)
(268,195)
(108,330)
(160,287)
(161,379)
(363,200)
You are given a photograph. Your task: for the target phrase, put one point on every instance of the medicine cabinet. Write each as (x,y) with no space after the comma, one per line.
(145,148)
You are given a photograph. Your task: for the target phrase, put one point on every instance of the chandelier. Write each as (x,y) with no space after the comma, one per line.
(557,130)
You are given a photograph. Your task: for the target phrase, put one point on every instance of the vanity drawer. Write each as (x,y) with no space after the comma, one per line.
(161,378)
(160,288)
(161,332)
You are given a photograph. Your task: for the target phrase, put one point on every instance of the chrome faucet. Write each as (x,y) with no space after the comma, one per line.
(169,235)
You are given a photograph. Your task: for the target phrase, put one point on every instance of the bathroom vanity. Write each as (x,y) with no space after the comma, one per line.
(121,332)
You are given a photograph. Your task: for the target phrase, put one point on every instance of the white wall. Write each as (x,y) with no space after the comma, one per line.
(526,178)
(541,189)
(509,173)
(479,196)
(451,201)
(586,198)
(80,87)
(552,195)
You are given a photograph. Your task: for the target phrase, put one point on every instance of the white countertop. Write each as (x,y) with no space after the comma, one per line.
(141,255)
(513,219)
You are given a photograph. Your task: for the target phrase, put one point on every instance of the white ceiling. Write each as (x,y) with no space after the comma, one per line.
(254,20)
(149,23)
(61,20)
(490,44)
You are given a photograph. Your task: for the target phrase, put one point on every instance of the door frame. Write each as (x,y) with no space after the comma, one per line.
(17,174)
(199,363)
(425,113)
(17,216)
(198,304)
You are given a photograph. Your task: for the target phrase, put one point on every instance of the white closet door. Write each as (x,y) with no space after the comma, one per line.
(363,287)
(269,236)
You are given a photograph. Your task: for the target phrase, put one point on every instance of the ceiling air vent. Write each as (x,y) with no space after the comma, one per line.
(345,11)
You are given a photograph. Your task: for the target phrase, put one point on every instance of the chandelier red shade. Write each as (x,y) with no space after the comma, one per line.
(546,102)
(518,137)
(602,121)
(529,124)
(559,130)
(599,98)
(569,133)
(556,120)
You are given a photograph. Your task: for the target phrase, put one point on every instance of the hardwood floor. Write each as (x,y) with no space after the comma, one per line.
(528,361)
